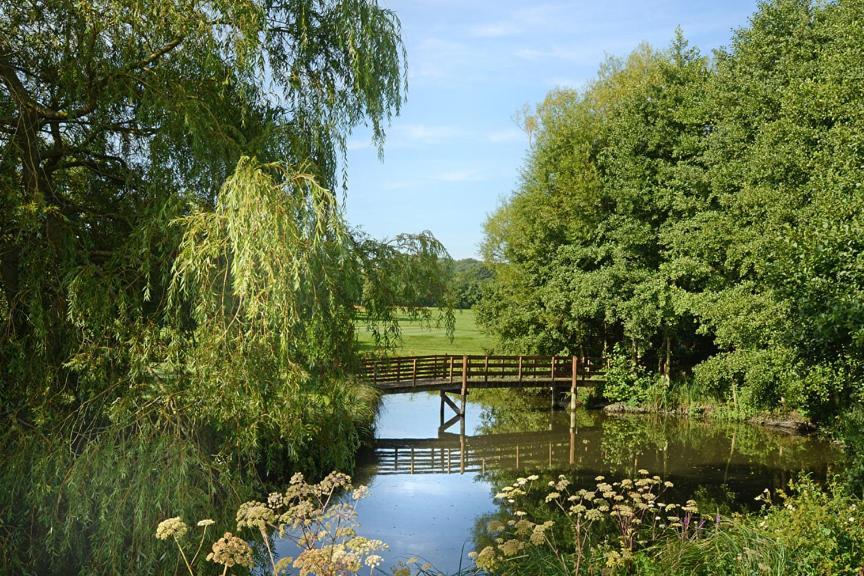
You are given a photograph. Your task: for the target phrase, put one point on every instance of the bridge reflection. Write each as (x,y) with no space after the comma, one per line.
(745,458)
(458,452)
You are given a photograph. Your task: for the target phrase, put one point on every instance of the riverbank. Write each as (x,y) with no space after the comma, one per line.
(792,422)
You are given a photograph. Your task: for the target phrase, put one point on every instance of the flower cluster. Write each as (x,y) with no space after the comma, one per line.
(321,518)
(617,517)
(171,528)
(231,551)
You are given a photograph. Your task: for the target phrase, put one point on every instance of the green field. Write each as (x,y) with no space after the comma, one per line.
(418,339)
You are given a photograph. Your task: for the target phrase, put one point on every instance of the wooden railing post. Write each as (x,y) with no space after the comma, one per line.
(519,373)
(414,372)
(552,374)
(451,369)
(573,379)
(486,368)
(464,383)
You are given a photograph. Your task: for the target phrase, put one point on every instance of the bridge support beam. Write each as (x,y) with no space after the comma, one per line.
(446,400)
(464,383)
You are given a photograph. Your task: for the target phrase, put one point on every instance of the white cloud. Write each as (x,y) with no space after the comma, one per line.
(505,135)
(571,54)
(399,184)
(448,176)
(426,71)
(359,145)
(434,58)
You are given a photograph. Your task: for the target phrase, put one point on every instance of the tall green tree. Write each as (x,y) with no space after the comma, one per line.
(583,233)
(780,240)
(701,214)
(169,234)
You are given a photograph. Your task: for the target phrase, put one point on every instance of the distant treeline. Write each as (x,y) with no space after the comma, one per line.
(468,277)
(701,216)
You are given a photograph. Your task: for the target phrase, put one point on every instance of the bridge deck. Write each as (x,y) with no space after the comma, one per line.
(448,373)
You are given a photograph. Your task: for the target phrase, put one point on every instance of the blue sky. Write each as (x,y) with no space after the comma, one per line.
(455,151)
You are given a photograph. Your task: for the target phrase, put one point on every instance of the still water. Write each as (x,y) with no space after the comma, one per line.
(430,487)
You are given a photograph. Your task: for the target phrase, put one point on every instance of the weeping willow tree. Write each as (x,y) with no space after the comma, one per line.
(175,270)
(165,220)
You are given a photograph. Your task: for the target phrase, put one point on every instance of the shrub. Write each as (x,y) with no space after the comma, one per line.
(599,529)
(808,531)
(624,381)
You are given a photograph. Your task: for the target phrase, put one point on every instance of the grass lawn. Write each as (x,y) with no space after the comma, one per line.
(418,340)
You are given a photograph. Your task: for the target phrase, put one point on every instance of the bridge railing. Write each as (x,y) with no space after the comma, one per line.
(450,368)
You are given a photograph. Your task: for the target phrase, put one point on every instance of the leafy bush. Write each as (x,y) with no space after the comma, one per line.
(629,527)
(852,428)
(91,512)
(624,381)
(808,531)
(589,530)
(321,524)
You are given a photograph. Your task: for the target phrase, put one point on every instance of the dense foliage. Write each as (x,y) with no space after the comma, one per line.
(633,526)
(706,215)
(177,279)
(171,248)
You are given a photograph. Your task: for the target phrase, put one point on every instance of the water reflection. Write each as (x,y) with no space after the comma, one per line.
(430,483)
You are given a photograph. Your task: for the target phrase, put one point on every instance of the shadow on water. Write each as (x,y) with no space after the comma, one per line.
(431,483)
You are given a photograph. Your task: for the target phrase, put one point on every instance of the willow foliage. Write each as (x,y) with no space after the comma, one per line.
(261,280)
(175,270)
(164,204)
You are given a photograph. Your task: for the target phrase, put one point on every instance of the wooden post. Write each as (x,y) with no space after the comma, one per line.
(552,373)
(520,370)
(464,382)
(451,369)
(462,446)
(573,379)
(443,394)
(414,372)
(486,368)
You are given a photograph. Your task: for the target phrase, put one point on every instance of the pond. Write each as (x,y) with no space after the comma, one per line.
(430,488)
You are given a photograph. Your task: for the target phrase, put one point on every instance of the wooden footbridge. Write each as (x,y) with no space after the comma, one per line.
(459,374)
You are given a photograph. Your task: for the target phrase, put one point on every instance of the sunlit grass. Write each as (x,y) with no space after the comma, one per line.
(419,339)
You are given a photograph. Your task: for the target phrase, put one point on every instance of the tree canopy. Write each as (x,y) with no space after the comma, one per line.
(701,214)
(169,231)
